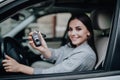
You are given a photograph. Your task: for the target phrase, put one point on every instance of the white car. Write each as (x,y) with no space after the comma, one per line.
(19,17)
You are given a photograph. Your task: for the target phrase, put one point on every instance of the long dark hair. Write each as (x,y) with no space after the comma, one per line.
(87,22)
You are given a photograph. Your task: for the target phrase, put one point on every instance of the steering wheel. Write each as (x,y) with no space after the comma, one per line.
(14,49)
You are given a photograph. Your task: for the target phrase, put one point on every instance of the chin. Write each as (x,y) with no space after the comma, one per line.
(75,43)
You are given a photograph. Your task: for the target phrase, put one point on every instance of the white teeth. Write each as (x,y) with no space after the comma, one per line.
(74,38)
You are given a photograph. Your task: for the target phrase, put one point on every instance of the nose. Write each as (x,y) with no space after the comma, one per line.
(73,32)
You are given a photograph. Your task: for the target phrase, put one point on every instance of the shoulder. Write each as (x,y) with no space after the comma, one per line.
(85,49)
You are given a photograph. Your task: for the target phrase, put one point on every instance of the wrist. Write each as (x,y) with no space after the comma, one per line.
(25,69)
(20,68)
(47,53)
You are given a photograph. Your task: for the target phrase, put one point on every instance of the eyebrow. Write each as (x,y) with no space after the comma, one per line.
(75,27)
(78,26)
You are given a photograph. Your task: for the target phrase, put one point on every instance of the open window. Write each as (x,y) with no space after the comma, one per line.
(52,21)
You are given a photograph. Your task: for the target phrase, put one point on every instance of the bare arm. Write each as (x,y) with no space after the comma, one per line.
(10,65)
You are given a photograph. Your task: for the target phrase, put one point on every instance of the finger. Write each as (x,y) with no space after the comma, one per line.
(8,70)
(32,44)
(30,38)
(30,34)
(40,34)
(8,57)
(5,64)
(41,37)
(4,61)
(7,67)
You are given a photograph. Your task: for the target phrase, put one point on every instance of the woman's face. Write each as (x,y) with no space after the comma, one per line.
(77,32)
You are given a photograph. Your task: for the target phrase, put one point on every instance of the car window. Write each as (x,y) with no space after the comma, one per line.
(53,25)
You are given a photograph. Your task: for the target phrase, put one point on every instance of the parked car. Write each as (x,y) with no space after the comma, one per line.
(19,17)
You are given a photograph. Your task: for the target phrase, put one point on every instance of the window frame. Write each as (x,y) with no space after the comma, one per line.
(109,63)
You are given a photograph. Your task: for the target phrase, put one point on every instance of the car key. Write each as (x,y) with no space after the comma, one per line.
(36,39)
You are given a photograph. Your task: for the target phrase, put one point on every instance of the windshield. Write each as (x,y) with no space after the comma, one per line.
(5,2)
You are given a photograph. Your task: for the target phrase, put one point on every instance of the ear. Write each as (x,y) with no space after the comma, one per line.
(88,34)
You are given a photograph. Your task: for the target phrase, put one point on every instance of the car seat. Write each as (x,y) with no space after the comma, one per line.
(101,23)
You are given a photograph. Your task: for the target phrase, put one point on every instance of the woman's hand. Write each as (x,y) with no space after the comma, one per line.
(43,48)
(10,65)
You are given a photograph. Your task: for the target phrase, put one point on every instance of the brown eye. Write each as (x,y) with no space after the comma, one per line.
(70,29)
(78,29)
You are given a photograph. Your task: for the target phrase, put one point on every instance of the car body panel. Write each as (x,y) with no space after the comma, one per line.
(112,64)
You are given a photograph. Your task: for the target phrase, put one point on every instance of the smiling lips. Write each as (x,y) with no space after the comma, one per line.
(73,38)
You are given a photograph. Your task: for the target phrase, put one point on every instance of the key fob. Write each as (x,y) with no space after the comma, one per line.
(36,39)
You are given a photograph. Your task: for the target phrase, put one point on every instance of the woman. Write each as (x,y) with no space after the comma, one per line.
(78,54)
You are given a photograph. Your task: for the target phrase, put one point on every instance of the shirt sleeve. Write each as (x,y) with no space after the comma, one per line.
(55,53)
(80,61)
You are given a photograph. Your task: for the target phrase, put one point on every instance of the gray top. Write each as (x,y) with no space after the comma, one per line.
(70,59)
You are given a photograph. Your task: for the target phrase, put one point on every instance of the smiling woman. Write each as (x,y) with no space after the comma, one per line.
(76,55)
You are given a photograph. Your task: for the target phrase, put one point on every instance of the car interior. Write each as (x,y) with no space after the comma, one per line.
(102,21)
(14,40)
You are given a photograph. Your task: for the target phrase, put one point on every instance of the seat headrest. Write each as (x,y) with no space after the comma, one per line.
(101,19)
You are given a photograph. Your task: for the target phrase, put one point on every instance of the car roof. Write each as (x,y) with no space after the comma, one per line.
(10,7)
